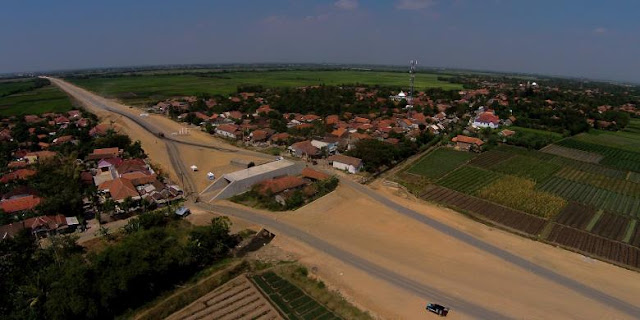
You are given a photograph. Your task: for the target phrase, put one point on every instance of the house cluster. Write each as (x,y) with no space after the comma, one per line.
(117,178)
(41,226)
(283,188)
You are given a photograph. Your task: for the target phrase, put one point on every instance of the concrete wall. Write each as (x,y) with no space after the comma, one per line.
(240,186)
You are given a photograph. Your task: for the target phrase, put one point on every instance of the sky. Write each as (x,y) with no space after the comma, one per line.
(578,38)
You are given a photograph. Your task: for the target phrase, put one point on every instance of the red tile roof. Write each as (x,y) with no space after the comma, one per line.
(345,159)
(278,185)
(339,132)
(488,117)
(332,119)
(314,174)
(305,147)
(231,128)
(119,189)
(20,204)
(19,174)
(465,139)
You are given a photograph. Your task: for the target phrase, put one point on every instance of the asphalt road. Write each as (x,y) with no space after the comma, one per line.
(373,269)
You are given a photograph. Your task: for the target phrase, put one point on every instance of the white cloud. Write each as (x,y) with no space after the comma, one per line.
(414,4)
(346,4)
(600,30)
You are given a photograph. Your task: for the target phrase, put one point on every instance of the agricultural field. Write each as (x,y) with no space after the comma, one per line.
(554,136)
(468,179)
(575,215)
(238,299)
(520,194)
(527,167)
(592,244)
(574,154)
(626,187)
(292,301)
(611,226)
(37,101)
(613,157)
(513,219)
(632,127)
(139,90)
(439,162)
(624,140)
(490,159)
(593,196)
(9,87)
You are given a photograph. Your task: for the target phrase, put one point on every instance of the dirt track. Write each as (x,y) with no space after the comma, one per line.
(394,256)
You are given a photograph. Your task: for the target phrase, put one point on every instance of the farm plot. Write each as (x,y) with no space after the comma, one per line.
(238,299)
(595,245)
(618,139)
(614,157)
(573,153)
(527,167)
(635,237)
(575,215)
(589,167)
(487,160)
(440,162)
(520,194)
(292,301)
(525,152)
(593,196)
(468,179)
(611,226)
(513,219)
(601,181)
(634,177)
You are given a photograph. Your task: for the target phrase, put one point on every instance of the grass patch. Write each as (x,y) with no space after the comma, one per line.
(440,162)
(139,90)
(519,193)
(41,100)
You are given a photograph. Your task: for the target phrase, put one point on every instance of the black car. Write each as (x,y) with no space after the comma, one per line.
(438,309)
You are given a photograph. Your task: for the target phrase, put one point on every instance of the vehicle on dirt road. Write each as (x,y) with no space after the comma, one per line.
(438,309)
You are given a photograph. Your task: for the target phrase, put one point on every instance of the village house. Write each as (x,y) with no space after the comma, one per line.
(486,119)
(279,138)
(119,189)
(328,143)
(346,163)
(466,143)
(304,149)
(19,204)
(104,153)
(229,131)
(33,157)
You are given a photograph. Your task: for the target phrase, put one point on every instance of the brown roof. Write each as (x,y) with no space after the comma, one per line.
(345,159)
(17,164)
(465,139)
(20,204)
(332,119)
(119,189)
(488,117)
(41,155)
(139,178)
(339,132)
(305,147)
(314,174)
(231,128)
(278,185)
(19,174)
(131,165)
(280,136)
(259,135)
(49,222)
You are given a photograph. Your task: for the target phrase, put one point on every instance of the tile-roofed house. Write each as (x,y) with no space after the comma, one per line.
(131,165)
(466,143)
(486,119)
(347,163)
(259,135)
(310,117)
(279,138)
(506,133)
(19,174)
(17,164)
(61,120)
(45,224)
(62,139)
(120,189)
(230,131)
(5,135)
(82,123)
(263,109)
(74,114)
(340,132)
(43,145)
(233,115)
(277,185)
(138,178)
(314,174)
(104,153)
(332,119)
(304,149)
(32,118)
(20,204)
(101,129)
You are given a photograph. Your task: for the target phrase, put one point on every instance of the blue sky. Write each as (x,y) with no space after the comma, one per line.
(595,39)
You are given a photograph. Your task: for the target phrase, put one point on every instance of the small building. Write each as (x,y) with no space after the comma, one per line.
(19,204)
(314,175)
(120,189)
(304,149)
(486,119)
(328,143)
(230,131)
(346,163)
(466,143)
(104,153)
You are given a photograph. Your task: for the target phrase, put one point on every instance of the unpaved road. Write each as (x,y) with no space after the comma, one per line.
(563,293)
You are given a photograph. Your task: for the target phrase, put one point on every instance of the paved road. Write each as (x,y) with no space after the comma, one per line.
(370,268)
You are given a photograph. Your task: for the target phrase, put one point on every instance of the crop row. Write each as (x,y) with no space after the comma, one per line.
(571,153)
(583,241)
(440,162)
(618,158)
(488,159)
(597,180)
(575,215)
(468,179)
(520,194)
(290,299)
(513,219)
(611,226)
(597,197)
(589,167)
(525,152)
(527,167)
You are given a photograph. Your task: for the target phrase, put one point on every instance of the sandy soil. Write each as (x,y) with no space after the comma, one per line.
(356,224)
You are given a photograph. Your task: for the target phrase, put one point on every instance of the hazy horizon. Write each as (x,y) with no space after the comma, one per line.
(584,39)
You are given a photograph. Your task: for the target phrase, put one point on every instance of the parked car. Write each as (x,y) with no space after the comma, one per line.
(438,309)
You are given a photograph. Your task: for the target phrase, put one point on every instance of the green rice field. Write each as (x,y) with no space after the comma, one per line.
(439,162)
(141,89)
(37,101)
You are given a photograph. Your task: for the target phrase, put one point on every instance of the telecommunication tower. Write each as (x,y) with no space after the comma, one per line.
(412,74)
